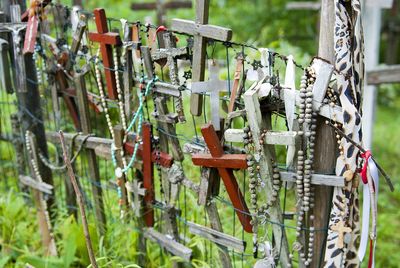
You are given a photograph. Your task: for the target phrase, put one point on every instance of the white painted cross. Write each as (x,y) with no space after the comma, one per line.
(214,86)
(138,191)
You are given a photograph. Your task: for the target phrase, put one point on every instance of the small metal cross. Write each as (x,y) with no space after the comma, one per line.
(214,86)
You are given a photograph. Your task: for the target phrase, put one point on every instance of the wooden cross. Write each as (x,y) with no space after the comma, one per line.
(323,72)
(161,6)
(258,122)
(341,230)
(136,188)
(149,157)
(201,30)
(172,53)
(107,40)
(225,164)
(214,86)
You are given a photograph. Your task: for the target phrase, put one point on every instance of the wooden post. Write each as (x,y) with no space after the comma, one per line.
(86,127)
(29,107)
(372,30)
(325,142)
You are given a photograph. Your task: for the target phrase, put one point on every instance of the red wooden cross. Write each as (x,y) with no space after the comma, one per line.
(106,40)
(225,163)
(149,157)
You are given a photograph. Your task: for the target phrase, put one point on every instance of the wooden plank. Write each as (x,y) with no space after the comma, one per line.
(119,134)
(217,237)
(83,106)
(316,179)
(257,123)
(170,245)
(215,223)
(37,185)
(272,137)
(148,63)
(384,75)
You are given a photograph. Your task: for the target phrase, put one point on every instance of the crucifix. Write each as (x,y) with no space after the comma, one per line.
(107,40)
(201,31)
(161,6)
(341,230)
(16,27)
(172,53)
(214,86)
(225,164)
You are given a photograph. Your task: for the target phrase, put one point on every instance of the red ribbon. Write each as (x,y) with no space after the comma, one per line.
(161,28)
(363,172)
(366,156)
(371,253)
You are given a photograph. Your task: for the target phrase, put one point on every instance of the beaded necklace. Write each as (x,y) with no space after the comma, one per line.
(305,192)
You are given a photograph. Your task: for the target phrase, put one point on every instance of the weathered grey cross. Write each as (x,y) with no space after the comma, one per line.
(201,30)
(172,53)
(138,191)
(214,86)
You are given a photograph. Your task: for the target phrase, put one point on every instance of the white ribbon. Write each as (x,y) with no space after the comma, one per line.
(367,206)
(290,104)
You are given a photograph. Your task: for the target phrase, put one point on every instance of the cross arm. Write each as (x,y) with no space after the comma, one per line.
(235,161)
(271,137)
(206,30)
(164,53)
(109,38)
